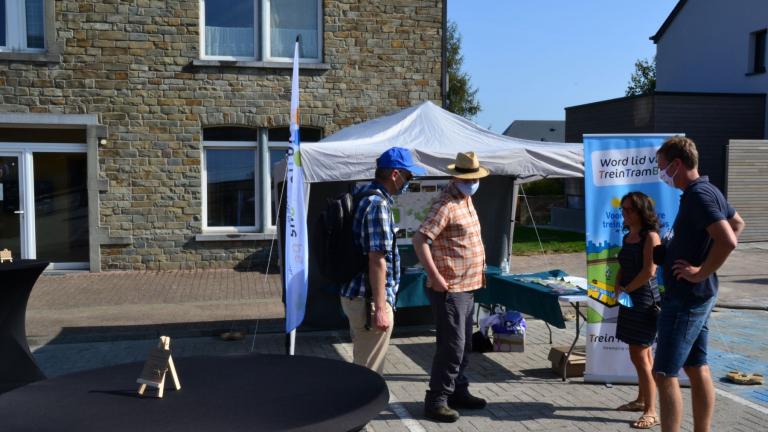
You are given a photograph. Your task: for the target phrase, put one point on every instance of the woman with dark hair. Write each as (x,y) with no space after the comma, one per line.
(636,325)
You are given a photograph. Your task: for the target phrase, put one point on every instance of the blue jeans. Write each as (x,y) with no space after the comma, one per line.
(682,334)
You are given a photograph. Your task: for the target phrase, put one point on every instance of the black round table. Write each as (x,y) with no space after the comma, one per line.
(17,365)
(252,392)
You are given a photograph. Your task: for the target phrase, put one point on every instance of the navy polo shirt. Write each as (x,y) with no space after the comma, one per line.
(701,205)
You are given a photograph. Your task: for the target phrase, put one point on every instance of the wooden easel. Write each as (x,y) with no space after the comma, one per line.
(5,255)
(156,367)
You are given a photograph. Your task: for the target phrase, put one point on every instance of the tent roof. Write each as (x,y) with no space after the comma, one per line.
(435,136)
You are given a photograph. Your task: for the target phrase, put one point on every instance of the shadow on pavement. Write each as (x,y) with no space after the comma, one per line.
(517,411)
(151,331)
(481,367)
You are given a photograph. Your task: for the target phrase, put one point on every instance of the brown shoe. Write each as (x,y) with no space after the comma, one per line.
(441,413)
(466,401)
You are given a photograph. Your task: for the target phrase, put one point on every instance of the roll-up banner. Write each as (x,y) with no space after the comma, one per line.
(614,166)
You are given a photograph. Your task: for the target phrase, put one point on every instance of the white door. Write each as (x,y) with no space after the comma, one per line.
(44,207)
(12,218)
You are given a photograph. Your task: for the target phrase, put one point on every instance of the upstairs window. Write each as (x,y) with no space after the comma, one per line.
(22,25)
(757,52)
(260,30)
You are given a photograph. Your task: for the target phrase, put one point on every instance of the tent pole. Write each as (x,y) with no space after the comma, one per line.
(512,215)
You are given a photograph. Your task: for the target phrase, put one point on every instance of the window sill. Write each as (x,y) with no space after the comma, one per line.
(258,64)
(206,237)
(32,57)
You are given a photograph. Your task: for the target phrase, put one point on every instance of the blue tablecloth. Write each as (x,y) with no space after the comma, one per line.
(530,298)
(413,285)
(412,290)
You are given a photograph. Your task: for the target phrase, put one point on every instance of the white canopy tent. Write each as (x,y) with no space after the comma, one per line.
(434,135)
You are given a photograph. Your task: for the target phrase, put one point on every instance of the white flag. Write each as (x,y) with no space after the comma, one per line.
(296,247)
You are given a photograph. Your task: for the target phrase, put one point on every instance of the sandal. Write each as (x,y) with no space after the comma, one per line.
(646,422)
(756,378)
(742,378)
(737,377)
(632,406)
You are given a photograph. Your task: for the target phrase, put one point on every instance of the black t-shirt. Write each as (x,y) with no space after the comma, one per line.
(701,205)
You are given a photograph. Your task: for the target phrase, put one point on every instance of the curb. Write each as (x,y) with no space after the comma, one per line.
(741,306)
(153,331)
(206,329)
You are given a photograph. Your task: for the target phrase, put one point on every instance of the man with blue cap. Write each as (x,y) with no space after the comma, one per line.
(368,300)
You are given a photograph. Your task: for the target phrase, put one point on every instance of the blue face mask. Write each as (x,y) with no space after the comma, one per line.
(468,189)
(404,188)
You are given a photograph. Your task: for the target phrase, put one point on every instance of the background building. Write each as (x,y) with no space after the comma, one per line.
(711,84)
(140,135)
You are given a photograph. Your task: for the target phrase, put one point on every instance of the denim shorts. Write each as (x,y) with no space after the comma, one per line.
(682,334)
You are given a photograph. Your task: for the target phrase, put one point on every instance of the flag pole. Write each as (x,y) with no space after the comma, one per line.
(296,250)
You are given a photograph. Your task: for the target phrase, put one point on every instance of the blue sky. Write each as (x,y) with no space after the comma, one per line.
(532,58)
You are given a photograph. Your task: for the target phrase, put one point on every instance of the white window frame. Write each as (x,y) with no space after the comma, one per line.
(262,36)
(277,145)
(232,145)
(256,35)
(266,45)
(16,28)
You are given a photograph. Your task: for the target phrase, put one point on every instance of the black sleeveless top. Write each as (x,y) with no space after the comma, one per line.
(637,325)
(631,262)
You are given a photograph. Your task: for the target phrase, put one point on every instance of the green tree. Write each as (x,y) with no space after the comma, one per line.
(461,96)
(643,79)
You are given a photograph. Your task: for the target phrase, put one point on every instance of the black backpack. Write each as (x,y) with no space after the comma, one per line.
(338,258)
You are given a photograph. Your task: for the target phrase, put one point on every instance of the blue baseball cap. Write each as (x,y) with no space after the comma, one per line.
(399,158)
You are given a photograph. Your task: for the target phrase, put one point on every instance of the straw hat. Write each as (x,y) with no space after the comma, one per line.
(467,166)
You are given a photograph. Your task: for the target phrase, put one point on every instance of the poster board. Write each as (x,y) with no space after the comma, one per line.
(614,166)
(410,208)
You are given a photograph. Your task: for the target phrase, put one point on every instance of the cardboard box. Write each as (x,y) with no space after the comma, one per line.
(507,342)
(576,363)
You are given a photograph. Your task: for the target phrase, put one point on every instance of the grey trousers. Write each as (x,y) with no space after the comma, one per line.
(453,321)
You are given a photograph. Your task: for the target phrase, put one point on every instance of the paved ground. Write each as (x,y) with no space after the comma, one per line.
(524,394)
(114,318)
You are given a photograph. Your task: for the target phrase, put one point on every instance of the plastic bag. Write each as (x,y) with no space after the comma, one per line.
(510,323)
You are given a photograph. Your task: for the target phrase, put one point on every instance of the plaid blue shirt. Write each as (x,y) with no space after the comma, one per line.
(374,231)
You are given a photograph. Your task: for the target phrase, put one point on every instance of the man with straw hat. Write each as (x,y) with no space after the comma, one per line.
(454,263)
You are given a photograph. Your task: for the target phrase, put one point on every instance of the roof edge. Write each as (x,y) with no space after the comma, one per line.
(672,15)
(669,93)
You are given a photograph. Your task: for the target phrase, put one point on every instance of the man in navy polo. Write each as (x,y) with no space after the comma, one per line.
(706,230)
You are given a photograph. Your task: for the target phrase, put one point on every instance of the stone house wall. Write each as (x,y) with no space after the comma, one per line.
(135,64)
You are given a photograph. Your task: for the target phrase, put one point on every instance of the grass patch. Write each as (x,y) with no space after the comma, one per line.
(525,241)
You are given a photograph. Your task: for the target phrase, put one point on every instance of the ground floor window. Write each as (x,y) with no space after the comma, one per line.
(238,191)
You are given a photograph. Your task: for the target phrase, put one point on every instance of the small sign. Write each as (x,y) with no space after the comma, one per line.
(155,367)
(158,364)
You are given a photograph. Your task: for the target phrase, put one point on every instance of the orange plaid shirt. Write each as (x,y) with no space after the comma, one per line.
(457,247)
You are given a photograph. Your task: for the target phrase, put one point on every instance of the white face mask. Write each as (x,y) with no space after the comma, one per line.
(669,180)
(468,189)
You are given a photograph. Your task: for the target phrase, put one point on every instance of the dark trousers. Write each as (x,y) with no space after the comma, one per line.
(453,320)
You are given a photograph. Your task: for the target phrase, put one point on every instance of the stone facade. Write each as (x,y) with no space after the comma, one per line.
(135,64)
